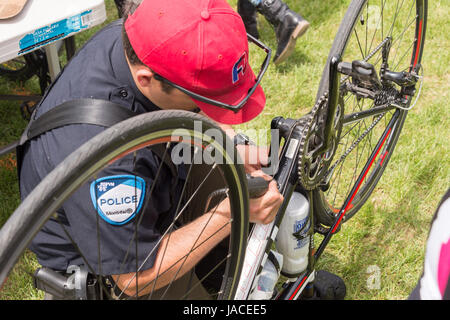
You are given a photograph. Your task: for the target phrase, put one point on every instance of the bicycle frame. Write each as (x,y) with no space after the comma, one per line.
(294,289)
(287,179)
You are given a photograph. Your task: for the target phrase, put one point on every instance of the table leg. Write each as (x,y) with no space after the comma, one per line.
(51,52)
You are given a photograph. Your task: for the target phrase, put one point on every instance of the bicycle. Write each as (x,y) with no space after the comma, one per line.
(34,63)
(334,155)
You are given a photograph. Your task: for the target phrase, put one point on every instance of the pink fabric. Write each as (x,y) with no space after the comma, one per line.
(444,266)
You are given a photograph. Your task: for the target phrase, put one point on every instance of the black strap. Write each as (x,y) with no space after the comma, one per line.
(89,111)
(80,111)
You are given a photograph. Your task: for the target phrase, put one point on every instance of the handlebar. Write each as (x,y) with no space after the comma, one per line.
(257,186)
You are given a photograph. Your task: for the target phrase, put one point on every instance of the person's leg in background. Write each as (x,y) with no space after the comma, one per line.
(120,7)
(248,12)
(288,25)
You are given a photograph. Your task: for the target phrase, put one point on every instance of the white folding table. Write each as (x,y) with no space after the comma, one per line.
(44,22)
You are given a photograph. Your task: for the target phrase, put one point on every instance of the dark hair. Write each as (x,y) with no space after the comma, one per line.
(129,51)
(128,8)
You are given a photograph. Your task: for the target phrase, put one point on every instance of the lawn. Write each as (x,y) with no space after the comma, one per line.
(379,253)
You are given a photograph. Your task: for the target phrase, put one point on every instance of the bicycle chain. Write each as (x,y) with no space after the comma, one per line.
(354,144)
(305,180)
(304,168)
(386,96)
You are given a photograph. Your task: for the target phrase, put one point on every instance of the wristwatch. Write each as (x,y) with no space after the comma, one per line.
(241,138)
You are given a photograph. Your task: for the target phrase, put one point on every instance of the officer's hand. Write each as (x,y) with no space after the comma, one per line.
(264,209)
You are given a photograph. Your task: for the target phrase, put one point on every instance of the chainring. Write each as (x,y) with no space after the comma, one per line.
(312,165)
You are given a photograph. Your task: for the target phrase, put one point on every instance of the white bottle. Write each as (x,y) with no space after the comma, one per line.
(268,278)
(294,249)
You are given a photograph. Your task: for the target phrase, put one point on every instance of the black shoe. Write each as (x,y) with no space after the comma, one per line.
(292,27)
(328,286)
(248,12)
(288,26)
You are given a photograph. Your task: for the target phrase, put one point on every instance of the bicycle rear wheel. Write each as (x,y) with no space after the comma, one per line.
(366,144)
(165,131)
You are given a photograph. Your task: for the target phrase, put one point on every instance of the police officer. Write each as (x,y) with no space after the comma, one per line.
(196,45)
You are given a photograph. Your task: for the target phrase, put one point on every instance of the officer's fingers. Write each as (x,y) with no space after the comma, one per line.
(260,173)
(271,198)
(273,195)
(264,209)
(273,202)
(263,156)
(274,206)
(268,214)
(258,210)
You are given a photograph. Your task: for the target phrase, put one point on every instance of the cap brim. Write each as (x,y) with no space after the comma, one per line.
(255,104)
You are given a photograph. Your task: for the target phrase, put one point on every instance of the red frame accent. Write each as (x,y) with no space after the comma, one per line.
(298,288)
(360,182)
(419,39)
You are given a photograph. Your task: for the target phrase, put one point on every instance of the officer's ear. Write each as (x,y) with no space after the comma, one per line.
(143,76)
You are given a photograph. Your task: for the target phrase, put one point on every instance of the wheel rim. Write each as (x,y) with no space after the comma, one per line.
(404,22)
(231,175)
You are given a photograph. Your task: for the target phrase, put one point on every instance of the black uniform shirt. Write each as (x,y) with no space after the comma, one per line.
(99,70)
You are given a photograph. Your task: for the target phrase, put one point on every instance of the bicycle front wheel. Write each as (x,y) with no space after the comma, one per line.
(369,129)
(164,135)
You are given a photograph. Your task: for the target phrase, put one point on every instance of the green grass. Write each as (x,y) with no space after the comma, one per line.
(390,231)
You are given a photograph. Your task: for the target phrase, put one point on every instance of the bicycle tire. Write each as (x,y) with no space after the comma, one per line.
(19,69)
(118,141)
(347,35)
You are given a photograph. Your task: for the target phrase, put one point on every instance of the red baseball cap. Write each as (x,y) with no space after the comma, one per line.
(200,45)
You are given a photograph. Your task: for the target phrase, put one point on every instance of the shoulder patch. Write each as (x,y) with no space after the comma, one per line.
(118,199)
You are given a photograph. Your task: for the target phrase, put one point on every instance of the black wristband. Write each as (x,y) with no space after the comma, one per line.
(241,138)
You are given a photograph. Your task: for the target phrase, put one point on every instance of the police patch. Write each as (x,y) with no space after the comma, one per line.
(118,199)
